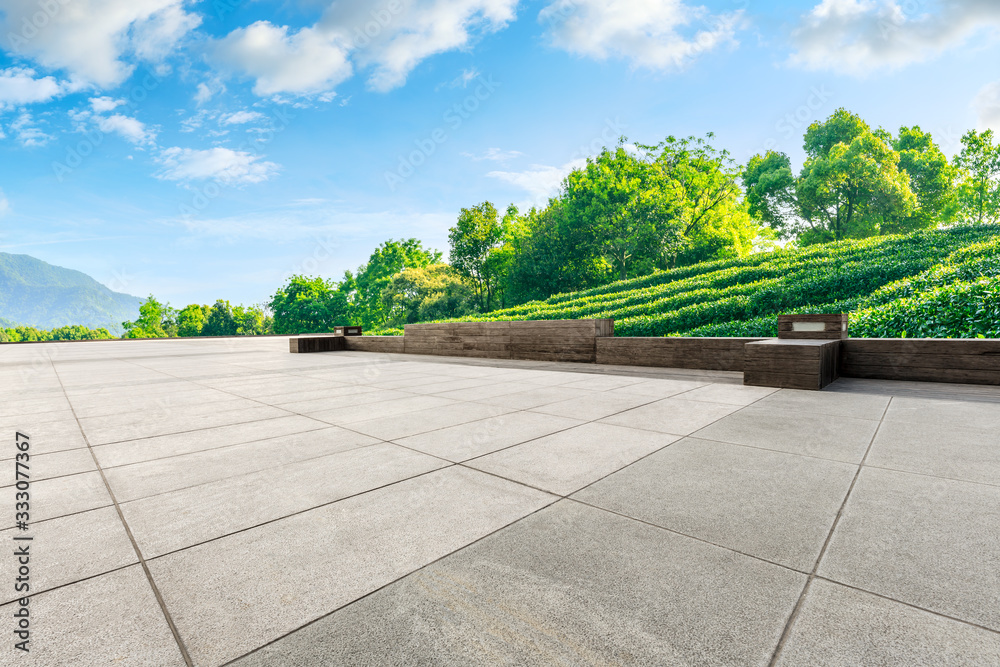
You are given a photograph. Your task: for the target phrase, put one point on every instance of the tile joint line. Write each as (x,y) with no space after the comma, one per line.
(128,531)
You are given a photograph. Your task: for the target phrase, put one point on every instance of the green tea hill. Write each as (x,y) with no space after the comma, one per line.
(931,284)
(38,294)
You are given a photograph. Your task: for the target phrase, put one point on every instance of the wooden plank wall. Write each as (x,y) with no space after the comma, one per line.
(968,360)
(392,344)
(791,364)
(710,354)
(541,340)
(316,343)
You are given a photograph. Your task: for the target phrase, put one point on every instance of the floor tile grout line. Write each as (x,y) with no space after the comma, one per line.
(679,533)
(394,581)
(135,546)
(303,511)
(786,632)
(558,498)
(46,591)
(908,604)
(193,486)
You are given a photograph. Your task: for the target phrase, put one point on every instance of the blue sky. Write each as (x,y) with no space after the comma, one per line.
(205,150)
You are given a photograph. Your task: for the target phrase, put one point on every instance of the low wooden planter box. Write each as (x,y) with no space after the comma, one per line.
(791,364)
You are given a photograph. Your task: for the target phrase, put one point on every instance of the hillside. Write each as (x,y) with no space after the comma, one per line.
(38,294)
(939,283)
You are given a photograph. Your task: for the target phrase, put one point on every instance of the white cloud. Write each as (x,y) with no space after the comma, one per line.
(645,32)
(421,28)
(90,39)
(494,155)
(220,164)
(130,128)
(241,117)
(539,181)
(28,135)
(205,93)
(18,86)
(104,104)
(859,36)
(4,204)
(315,59)
(304,62)
(987,106)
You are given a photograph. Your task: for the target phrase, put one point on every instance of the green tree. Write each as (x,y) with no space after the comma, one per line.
(251,320)
(476,250)
(432,292)
(979,189)
(78,332)
(220,321)
(850,185)
(363,290)
(624,206)
(156,320)
(308,305)
(191,319)
(932,180)
(547,255)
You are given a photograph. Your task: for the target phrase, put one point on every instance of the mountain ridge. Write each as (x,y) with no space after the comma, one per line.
(36,293)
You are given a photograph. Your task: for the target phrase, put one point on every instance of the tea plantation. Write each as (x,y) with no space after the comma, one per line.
(939,283)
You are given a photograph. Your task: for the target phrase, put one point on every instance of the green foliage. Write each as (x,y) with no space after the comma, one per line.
(431,292)
(363,292)
(19,334)
(308,305)
(856,183)
(979,165)
(191,319)
(744,296)
(252,320)
(220,320)
(156,320)
(476,250)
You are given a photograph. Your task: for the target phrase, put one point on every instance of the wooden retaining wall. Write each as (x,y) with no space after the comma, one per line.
(393,344)
(540,340)
(970,361)
(709,354)
(963,360)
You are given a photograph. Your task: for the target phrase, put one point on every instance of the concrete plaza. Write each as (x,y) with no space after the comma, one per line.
(217,502)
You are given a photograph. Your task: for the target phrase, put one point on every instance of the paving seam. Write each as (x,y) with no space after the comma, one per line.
(557,497)
(128,531)
(812,575)
(400,578)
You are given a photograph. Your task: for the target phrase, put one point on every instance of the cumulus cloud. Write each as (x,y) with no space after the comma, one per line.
(28,134)
(394,44)
(130,128)
(655,34)
(389,40)
(18,86)
(539,181)
(859,36)
(987,106)
(91,39)
(104,104)
(303,62)
(241,117)
(219,164)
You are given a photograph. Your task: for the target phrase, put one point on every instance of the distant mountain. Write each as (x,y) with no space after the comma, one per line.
(38,294)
